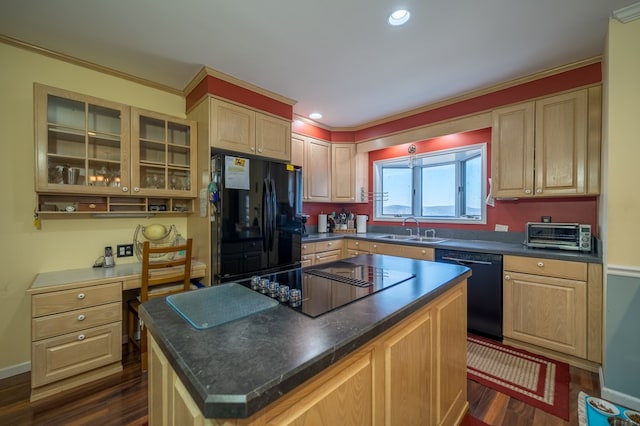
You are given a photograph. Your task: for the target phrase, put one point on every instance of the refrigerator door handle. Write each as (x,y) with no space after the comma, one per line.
(265,215)
(273,194)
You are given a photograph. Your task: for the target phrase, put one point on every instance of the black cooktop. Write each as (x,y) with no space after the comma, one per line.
(328,287)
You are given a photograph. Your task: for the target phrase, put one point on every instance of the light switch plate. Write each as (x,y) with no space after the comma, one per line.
(502,228)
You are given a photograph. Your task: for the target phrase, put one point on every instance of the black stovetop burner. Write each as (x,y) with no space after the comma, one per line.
(328,287)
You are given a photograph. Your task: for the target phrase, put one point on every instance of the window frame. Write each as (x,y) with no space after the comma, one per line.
(416,206)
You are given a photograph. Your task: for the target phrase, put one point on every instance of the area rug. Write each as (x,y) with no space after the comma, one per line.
(530,378)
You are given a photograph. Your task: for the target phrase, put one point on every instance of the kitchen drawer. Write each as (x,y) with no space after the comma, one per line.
(546,267)
(82,297)
(308,248)
(74,353)
(79,319)
(327,256)
(359,245)
(329,245)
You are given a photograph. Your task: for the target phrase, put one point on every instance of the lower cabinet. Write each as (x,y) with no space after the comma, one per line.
(321,252)
(414,373)
(552,304)
(76,337)
(402,250)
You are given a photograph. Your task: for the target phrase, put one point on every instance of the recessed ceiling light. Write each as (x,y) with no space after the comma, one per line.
(315,116)
(399,17)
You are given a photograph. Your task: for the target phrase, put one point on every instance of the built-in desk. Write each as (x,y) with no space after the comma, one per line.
(76,324)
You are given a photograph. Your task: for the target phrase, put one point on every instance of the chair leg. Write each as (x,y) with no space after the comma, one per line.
(132,331)
(143,348)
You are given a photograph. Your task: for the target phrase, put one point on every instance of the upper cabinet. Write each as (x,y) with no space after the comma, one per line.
(82,143)
(239,129)
(549,147)
(332,172)
(317,170)
(163,152)
(349,173)
(96,155)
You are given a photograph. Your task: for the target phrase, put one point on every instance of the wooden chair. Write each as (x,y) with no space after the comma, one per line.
(169,274)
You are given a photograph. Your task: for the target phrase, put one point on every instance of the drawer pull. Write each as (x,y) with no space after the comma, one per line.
(81,337)
(507,277)
(540,264)
(329,244)
(81,317)
(80,296)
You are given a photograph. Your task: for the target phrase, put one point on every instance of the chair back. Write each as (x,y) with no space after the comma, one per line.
(165,270)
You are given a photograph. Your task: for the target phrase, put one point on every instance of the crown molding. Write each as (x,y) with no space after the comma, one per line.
(86,64)
(627,13)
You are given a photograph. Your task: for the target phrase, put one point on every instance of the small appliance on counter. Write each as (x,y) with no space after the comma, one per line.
(563,236)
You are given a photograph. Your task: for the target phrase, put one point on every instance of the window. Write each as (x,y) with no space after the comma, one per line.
(442,186)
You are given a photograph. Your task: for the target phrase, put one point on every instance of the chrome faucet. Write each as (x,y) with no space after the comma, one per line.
(417,225)
(430,231)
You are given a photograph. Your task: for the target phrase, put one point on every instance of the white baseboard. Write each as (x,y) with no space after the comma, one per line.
(14,370)
(618,397)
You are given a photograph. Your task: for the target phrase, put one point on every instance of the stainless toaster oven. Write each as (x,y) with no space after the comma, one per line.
(564,236)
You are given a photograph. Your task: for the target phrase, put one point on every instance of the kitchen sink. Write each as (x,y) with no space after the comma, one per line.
(431,240)
(399,237)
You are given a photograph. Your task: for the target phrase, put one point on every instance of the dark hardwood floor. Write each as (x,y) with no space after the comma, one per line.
(121,399)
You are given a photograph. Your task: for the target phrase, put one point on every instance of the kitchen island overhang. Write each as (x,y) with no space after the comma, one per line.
(239,368)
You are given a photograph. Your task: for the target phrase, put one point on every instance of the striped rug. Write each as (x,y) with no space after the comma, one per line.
(533,379)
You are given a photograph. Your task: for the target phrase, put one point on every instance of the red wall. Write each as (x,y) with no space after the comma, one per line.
(514,213)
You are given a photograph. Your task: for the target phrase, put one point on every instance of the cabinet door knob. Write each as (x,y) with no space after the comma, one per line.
(527,191)
(259,149)
(81,337)
(136,189)
(125,189)
(539,191)
(507,277)
(81,317)
(253,149)
(540,264)
(80,296)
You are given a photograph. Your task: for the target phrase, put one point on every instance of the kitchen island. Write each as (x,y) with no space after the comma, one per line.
(398,355)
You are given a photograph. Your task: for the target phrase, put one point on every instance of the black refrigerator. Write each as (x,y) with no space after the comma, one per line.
(257,216)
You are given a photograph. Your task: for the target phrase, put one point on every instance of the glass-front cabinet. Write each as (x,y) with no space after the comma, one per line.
(131,159)
(163,154)
(82,143)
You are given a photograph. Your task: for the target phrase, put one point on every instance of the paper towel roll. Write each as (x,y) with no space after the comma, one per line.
(322,223)
(361,223)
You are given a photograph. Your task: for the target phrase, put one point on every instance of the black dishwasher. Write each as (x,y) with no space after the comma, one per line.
(484,289)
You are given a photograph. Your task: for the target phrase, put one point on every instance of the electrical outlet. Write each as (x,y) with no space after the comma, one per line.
(125,250)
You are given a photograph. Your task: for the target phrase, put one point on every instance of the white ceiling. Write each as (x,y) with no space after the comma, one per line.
(338,57)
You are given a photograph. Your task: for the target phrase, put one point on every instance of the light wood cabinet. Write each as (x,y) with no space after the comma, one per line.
(317,170)
(548,147)
(402,250)
(242,130)
(348,173)
(76,336)
(321,252)
(414,373)
(163,154)
(93,155)
(356,247)
(77,137)
(333,172)
(552,304)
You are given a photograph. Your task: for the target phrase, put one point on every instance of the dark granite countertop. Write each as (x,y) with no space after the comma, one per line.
(236,369)
(483,246)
